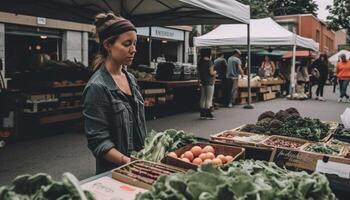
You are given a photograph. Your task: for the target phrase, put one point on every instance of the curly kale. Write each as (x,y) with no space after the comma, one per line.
(292,110)
(282,115)
(259,130)
(267,114)
(248,127)
(292,117)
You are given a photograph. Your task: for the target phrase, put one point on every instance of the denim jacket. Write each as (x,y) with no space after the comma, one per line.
(109,119)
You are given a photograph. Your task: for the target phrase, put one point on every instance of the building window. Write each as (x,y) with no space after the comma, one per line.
(317,36)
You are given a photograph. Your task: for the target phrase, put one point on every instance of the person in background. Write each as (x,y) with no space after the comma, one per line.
(113,107)
(268,67)
(285,71)
(302,75)
(207,76)
(320,71)
(343,75)
(234,68)
(220,65)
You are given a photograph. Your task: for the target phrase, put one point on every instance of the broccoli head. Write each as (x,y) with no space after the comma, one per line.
(248,127)
(293,117)
(292,110)
(267,114)
(259,130)
(282,115)
(275,123)
(265,123)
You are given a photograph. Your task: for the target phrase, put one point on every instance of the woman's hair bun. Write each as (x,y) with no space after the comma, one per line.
(103,19)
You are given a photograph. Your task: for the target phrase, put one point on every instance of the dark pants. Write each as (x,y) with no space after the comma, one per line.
(230,91)
(319,91)
(343,86)
(285,87)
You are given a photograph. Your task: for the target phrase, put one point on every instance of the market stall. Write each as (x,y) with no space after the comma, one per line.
(264,33)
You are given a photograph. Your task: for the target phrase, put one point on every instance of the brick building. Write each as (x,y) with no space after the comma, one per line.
(307,25)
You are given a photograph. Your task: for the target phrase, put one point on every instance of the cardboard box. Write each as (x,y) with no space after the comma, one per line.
(124,175)
(106,188)
(235,152)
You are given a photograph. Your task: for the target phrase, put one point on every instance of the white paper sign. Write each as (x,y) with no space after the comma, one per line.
(106,188)
(340,169)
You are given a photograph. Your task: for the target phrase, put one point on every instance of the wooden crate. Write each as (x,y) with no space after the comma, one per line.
(245,94)
(265,89)
(228,137)
(273,137)
(268,96)
(276,88)
(342,150)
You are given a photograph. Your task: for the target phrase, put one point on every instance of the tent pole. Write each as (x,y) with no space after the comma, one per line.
(194,51)
(249,105)
(292,74)
(150,46)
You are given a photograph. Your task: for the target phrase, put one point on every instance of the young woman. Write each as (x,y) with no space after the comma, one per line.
(321,64)
(268,66)
(207,80)
(113,107)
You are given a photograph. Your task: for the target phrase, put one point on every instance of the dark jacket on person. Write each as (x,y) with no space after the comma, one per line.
(203,68)
(112,119)
(322,67)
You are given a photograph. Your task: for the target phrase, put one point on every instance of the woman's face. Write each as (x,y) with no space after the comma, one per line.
(124,48)
(267,58)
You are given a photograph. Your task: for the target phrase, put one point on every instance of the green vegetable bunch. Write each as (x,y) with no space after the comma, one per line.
(241,180)
(323,148)
(288,123)
(42,187)
(159,144)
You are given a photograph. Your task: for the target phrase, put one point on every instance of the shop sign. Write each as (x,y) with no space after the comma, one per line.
(161,32)
(41,20)
(166,33)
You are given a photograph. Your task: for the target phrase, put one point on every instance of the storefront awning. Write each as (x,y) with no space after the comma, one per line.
(140,12)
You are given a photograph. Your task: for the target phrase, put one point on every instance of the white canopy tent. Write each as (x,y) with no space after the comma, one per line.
(264,32)
(334,59)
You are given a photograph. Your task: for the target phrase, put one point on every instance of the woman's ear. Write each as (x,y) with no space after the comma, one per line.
(106,45)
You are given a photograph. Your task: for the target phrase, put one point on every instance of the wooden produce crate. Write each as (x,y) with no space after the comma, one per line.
(271,82)
(139,172)
(276,88)
(342,150)
(268,96)
(265,89)
(245,94)
(231,137)
(302,142)
(236,152)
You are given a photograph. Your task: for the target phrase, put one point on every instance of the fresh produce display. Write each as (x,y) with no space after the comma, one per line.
(197,155)
(288,123)
(243,138)
(159,144)
(145,172)
(343,131)
(281,142)
(338,142)
(241,180)
(324,148)
(42,187)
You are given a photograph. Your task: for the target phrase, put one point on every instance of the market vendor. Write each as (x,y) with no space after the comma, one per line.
(113,107)
(268,67)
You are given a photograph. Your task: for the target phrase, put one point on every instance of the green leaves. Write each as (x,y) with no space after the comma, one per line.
(159,144)
(241,180)
(41,187)
(339,17)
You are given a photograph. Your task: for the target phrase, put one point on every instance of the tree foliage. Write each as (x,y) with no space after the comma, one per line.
(339,17)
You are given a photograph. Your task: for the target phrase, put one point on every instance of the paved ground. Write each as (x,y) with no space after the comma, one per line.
(68,152)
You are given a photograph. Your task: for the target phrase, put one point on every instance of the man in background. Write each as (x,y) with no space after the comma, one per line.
(234,68)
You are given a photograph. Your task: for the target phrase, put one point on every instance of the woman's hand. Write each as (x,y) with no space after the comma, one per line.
(126,160)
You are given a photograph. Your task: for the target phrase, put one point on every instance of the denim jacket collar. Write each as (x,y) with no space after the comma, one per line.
(110,83)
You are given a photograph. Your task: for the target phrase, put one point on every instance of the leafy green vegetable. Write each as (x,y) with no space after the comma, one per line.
(323,148)
(159,144)
(289,123)
(42,187)
(241,180)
